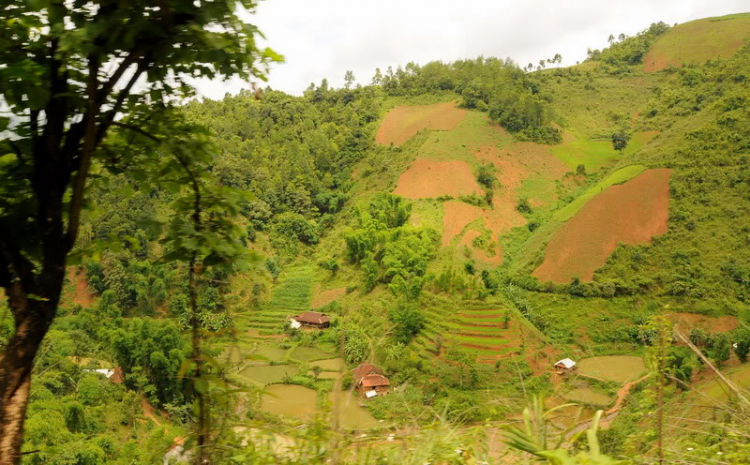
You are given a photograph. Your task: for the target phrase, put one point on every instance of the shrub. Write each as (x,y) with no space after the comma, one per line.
(524,206)
(486,175)
(408,321)
(295,225)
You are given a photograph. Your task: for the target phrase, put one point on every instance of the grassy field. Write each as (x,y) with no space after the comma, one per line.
(460,143)
(593,154)
(699,41)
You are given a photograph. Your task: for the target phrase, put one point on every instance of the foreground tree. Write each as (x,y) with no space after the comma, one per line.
(70,71)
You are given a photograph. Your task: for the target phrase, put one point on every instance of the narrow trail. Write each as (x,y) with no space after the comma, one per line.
(622,394)
(148,411)
(610,414)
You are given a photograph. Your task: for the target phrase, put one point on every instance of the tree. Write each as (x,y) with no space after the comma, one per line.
(620,140)
(377,78)
(611,39)
(408,321)
(69,72)
(486,175)
(720,351)
(741,344)
(348,79)
(462,360)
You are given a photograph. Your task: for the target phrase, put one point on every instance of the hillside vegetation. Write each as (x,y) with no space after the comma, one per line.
(465,226)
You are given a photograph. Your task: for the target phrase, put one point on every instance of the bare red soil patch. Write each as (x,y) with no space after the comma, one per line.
(405,121)
(630,213)
(82,295)
(687,321)
(327,296)
(426,179)
(524,158)
(459,214)
(455,218)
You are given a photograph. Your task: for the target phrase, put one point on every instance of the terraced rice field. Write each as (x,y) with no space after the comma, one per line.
(302,403)
(291,401)
(478,328)
(351,415)
(306,354)
(588,396)
(293,295)
(269,374)
(333,368)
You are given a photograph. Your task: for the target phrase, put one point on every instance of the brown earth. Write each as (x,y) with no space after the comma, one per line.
(427,178)
(327,296)
(459,214)
(630,213)
(687,321)
(524,158)
(82,295)
(405,121)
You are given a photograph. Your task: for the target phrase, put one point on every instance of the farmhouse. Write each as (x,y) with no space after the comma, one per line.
(370,380)
(564,366)
(311,319)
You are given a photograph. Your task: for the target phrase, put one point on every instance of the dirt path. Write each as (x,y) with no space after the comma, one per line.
(610,414)
(148,411)
(622,394)
(82,295)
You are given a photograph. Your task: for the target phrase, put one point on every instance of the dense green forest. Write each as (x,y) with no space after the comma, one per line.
(209,226)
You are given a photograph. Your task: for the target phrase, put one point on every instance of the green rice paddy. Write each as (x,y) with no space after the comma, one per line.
(291,401)
(618,368)
(269,374)
(588,396)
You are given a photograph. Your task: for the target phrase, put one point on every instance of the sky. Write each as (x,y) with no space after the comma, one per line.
(325,38)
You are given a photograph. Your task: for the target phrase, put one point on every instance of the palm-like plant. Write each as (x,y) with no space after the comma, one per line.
(536,436)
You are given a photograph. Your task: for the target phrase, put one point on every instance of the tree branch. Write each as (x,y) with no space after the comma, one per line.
(107,88)
(140,131)
(89,144)
(17,150)
(109,117)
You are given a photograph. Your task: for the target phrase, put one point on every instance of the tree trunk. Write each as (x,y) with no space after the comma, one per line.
(33,319)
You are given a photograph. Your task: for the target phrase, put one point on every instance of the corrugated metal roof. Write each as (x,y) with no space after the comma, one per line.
(567,363)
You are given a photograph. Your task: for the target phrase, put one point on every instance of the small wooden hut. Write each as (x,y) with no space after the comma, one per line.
(370,381)
(312,320)
(565,366)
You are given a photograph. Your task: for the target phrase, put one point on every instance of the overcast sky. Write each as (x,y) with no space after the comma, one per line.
(324,38)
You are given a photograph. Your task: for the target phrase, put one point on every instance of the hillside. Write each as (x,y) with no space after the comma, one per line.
(465,226)
(698,41)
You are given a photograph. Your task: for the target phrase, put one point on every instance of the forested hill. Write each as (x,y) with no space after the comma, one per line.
(465,225)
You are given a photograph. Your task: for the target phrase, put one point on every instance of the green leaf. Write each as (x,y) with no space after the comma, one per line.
(200,385)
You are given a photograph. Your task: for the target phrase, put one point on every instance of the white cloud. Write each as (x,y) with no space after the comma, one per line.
(324,38)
